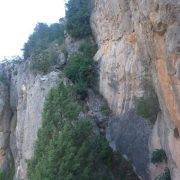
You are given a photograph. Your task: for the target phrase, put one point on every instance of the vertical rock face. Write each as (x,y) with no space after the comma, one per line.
(167,63)
(22,96)
(136,39)
(28,93)
(121,56)
(138,43)
(6,160)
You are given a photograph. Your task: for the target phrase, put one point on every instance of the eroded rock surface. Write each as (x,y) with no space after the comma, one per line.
(138,44)
(140,39)
(6,160)
(22,96)
(28,93)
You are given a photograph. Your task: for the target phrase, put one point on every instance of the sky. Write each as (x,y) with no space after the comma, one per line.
(18,19)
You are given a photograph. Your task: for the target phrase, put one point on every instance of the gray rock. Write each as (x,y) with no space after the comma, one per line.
(139,42)
(28,93)
(129,134)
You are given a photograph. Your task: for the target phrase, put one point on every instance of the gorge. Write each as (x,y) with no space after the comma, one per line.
(138,68)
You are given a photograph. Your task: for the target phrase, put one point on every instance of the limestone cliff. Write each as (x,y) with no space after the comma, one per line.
(28,93)
(138,52)
(23,98)
(134,38)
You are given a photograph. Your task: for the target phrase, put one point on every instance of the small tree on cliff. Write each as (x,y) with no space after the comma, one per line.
(42,36)
(78,18)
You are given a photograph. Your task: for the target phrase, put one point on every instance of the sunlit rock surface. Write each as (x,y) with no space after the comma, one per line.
(138,42)
(134,35)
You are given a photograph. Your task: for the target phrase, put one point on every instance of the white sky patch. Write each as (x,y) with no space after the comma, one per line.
(18,19)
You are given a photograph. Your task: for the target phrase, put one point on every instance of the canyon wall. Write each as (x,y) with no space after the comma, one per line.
(138,52)
(22,96)
(27,95)
(140,39)
(6,158)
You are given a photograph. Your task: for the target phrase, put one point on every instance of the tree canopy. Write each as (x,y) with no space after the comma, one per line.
(78,18)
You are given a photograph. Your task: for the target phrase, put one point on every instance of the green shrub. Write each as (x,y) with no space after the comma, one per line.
(147,106)
(158,156)
(78,18)
(60,107)
(165,176)
(42,61)
(2,176)
(105,110)
(85,155)
(42,36)
(38,40)
(67,147)
(56,32)
(81,89)
(143,107)
(80,68)
(88,49)
(75,153)
(2,78)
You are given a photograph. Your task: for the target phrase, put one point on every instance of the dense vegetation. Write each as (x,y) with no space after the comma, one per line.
(9,173)
(39,46)
(158,156)
(67,147)
(2,78)
(77,25)
(105,110)
(148,105)
(43,60)
(80,68)
(42,36)
(143,106)
(78,18)
(1,175)
(165,175)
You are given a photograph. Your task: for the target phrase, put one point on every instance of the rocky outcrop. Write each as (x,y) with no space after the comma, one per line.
(28,93)
(6,160)
(139,40)
(138,49)
(167,63)
(22,96)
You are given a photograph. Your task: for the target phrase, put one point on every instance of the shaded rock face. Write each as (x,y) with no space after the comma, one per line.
(28,94)
(129,134)
(138,43)
(71,45)
(22,96)
(6,160)
(137,39)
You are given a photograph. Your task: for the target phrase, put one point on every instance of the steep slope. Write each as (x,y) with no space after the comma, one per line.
(139,76)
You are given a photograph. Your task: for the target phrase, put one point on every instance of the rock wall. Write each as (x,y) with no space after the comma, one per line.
(138,43)
(22,97)
(6,160)
(140,39)
(27,95)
